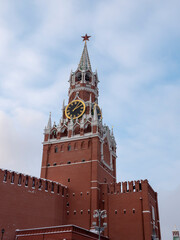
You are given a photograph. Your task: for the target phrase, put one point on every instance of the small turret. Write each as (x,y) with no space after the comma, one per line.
(175,233)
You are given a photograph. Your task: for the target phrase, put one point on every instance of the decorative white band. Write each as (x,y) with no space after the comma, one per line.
(83,88)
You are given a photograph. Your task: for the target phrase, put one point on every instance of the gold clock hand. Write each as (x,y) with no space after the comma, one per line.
(78,105)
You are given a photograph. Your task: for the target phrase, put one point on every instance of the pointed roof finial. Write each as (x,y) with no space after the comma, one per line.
(86,37)
(49,122)
(84,63)
(112,131)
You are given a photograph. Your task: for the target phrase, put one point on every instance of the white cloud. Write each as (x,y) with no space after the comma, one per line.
(20,141)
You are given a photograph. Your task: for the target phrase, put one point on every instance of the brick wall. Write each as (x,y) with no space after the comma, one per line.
(28,202)
(129,208)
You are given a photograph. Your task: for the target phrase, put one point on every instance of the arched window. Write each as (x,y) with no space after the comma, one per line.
(83,145)
(78,77)
(55,149)
(64,132)
(69,147)
(77,129)
(62,148)
(75,146)
(88,77)
(53,134)
(87,128)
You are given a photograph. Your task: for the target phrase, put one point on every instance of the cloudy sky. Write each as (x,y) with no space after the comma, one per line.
(135,49)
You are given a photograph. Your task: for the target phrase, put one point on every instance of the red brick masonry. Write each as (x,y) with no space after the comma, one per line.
(67,232)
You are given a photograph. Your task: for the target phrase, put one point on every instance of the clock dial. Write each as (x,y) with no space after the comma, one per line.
(75,109)
(98,111)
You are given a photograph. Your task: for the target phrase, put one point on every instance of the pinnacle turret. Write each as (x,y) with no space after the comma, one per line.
(49,125)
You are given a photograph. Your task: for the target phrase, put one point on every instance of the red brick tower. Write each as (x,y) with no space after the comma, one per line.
(79,159)
(80,152)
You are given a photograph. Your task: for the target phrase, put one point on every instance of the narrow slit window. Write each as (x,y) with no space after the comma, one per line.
(12,178)
(69,147)
(46,186)
(33,183)
(40,184)
(20,179)
(52,187)
(58,189)
(56,149)
(5,176)
(26,182)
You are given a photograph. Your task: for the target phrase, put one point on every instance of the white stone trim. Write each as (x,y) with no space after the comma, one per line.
(95,91)
(72,138)
(95,188)
(146,211)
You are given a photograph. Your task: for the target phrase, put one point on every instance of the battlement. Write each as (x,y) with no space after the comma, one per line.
(30,182)
(126,187)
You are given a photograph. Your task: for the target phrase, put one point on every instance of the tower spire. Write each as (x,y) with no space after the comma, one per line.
(84,63)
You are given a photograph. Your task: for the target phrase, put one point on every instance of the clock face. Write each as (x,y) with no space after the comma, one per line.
(98,111)
(75,109)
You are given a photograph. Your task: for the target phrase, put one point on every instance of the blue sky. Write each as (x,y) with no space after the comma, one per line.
(135,49)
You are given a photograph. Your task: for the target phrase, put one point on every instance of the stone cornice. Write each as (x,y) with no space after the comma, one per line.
(95,91)
(73,138)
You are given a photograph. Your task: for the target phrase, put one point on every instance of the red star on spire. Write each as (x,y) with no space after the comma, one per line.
(86,37)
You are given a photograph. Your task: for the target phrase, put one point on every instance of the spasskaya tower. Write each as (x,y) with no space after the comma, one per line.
(80,152)
(78,176)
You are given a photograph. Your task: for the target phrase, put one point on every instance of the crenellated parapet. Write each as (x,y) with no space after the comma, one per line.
(30,182)
(126,187)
